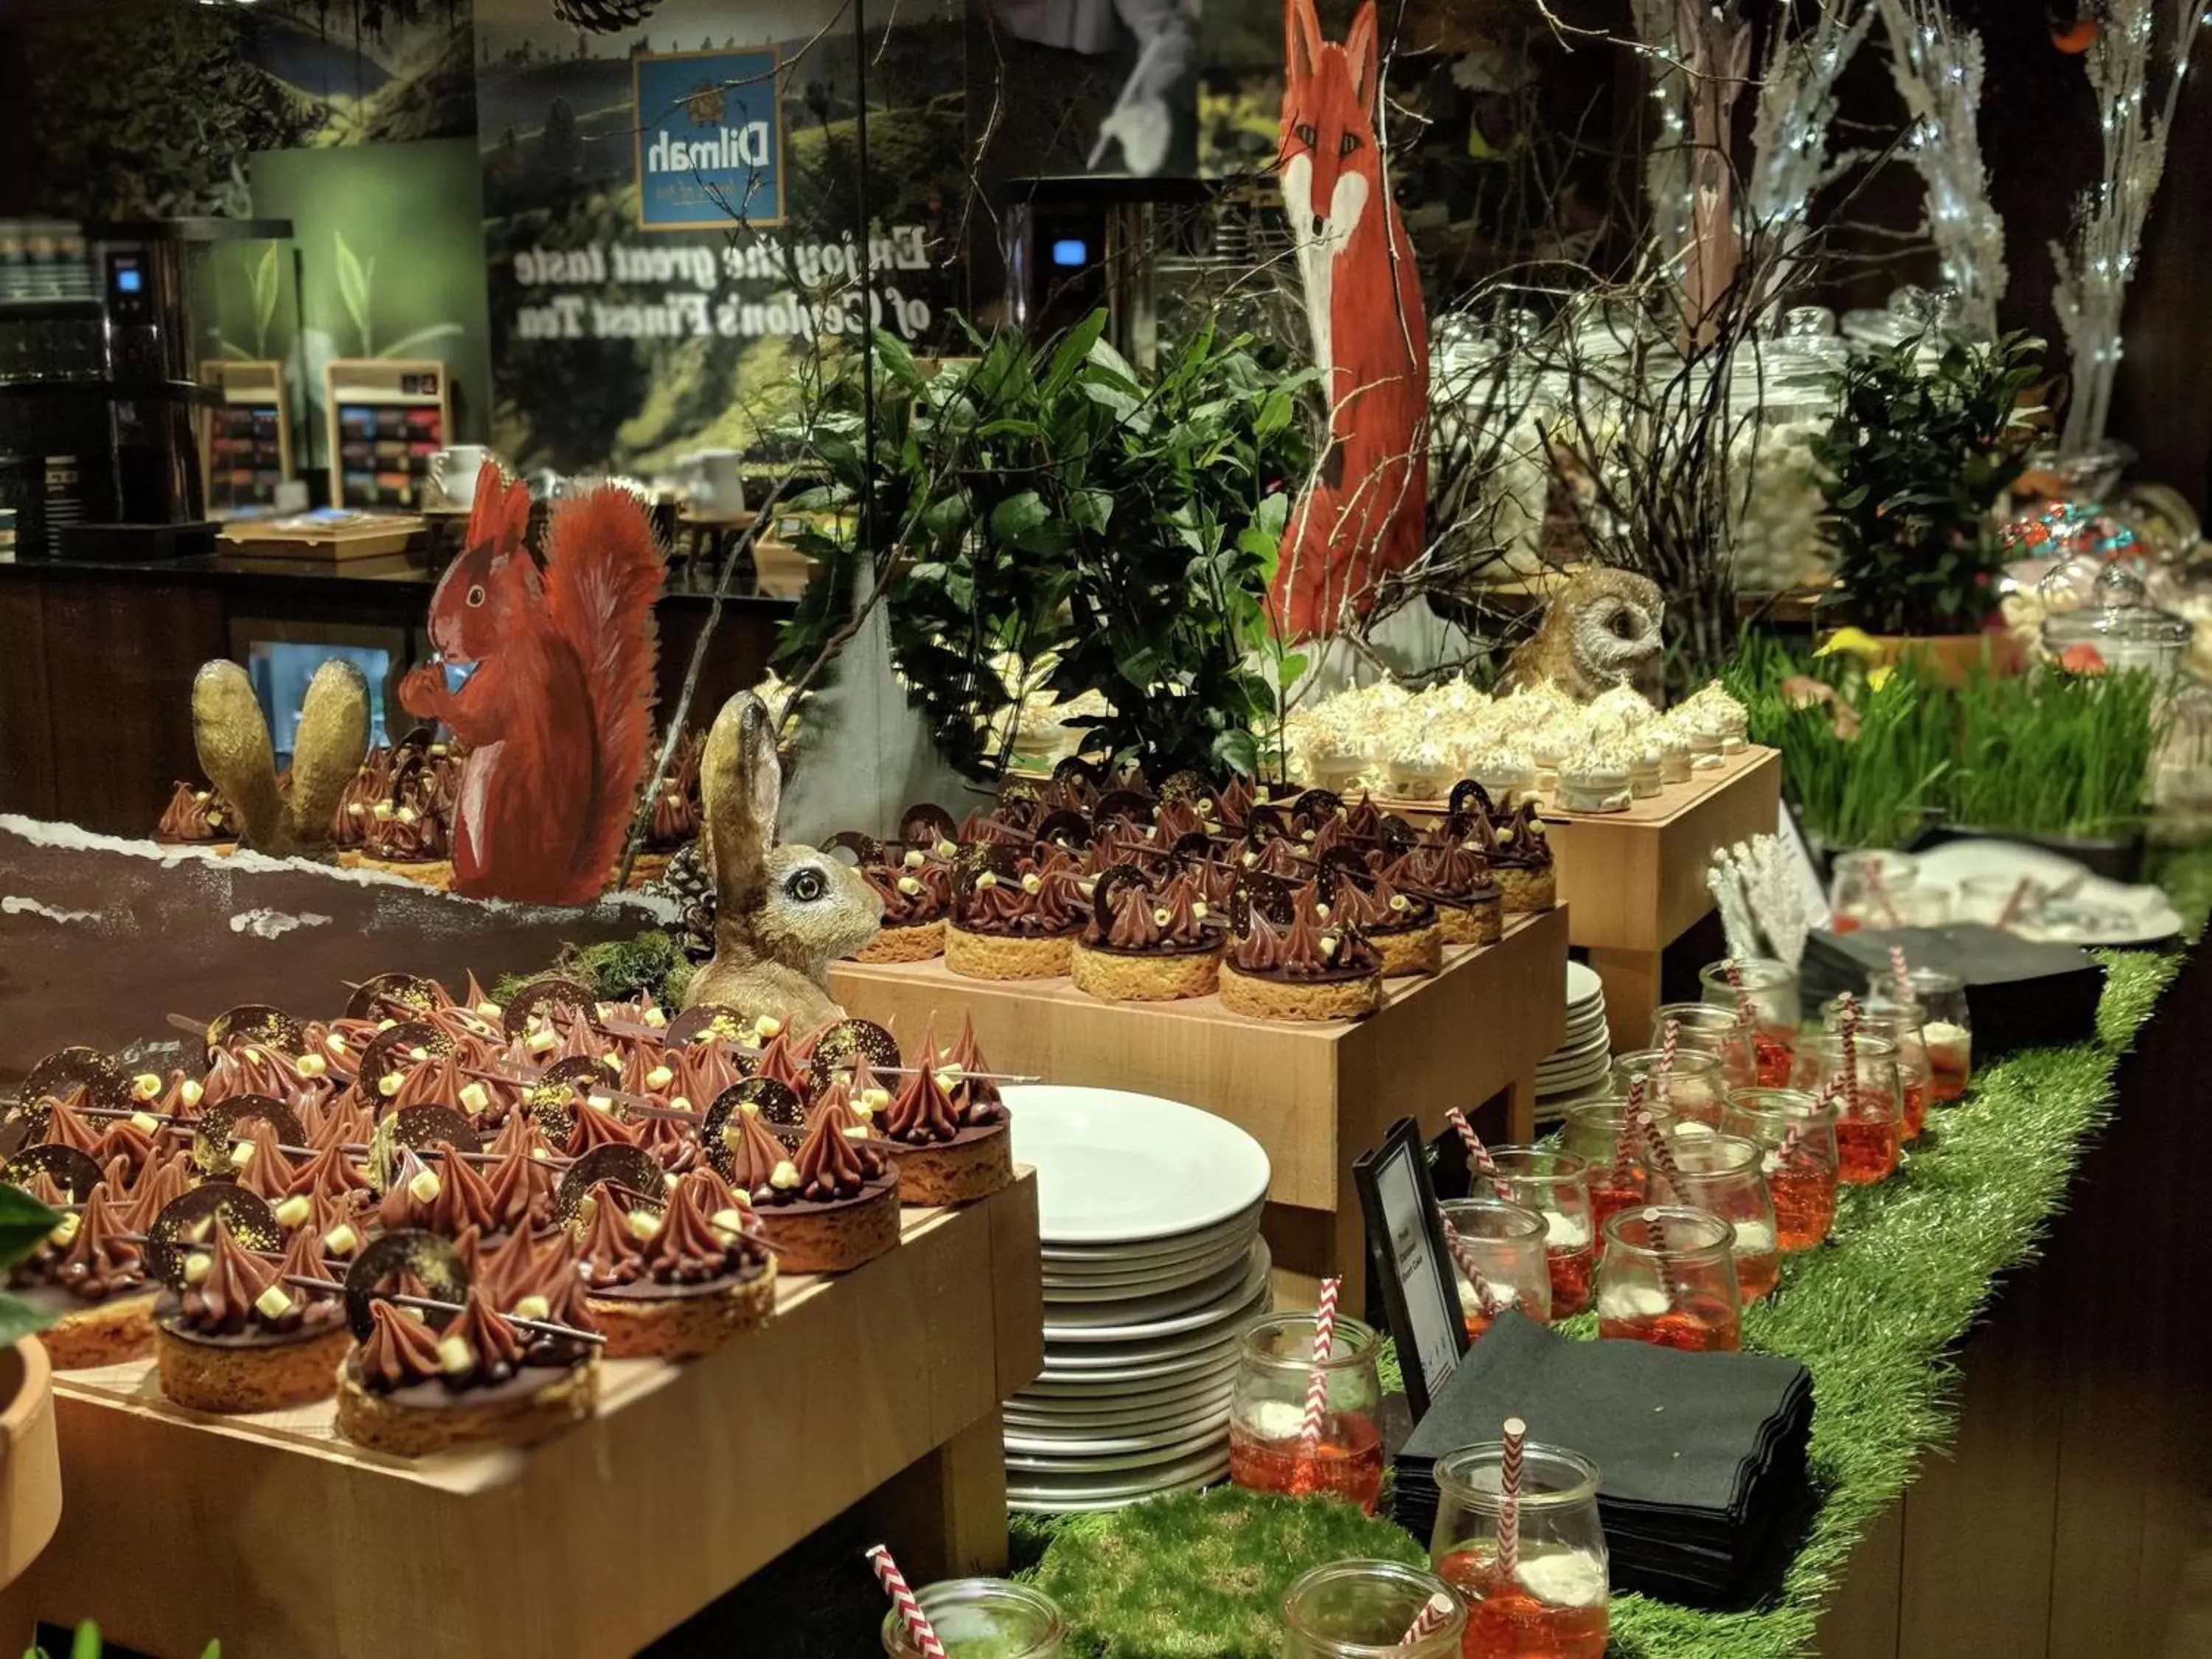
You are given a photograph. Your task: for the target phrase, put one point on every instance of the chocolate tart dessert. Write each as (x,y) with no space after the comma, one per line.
(92,1279)
(828,1206)
(952,1144)
(238,1336)
(916,891)
(1014,918)
(1456,880)
(675,811)
(1522,859)
(196,817)
(1302,970)
(1403,930)
(677,1282)
(406,833)
(1144,945)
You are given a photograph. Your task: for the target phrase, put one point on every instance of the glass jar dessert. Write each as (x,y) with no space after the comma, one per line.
(1354,1609)
(1268,1449)
(1550,1599)
(1503,1243)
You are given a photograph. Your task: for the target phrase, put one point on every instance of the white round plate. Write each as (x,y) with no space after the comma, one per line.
(1064,1292)
(1104,1456)
(1242,1225)
(1160,1396)
(1584,983)
(1107,1420)
(1195,1371)
(1114,1167)
(1101,1506)
(1569,1085)
(1581,1066)
(1211,1298)
(1064,1490)
(1219,1335)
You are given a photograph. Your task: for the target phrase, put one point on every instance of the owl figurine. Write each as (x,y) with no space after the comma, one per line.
(1597,632)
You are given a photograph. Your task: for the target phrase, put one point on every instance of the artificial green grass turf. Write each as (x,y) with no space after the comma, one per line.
(1873,1315)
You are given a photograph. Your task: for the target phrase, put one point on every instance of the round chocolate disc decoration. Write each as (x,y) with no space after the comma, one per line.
(1317,806)
(976,857)
(1338,865)
(394,1052)
(434,1262)
(1466,796)
(1265,824)
(708,1022)
(187,1222)
(1068,829)
(1077,768)
(626,1166)
(780,1110)
(928,826)
(1123,804)
(558,998)
(1398,837)
(217,1131)
(66,1070)
(73,1172)
(550,1103)
(834,1050)
(1111,880)
(1016,791)
(1274,897)
(258,1025)
(865,849)
(385,996)
(1185,784)
(416,1128)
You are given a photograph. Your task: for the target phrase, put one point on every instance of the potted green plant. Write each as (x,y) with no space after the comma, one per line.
(1913,465)
(30,1456)
(1050,506)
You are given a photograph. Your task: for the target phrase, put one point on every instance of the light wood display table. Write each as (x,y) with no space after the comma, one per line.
(1634,882)
(283,1540)
(1316,1097)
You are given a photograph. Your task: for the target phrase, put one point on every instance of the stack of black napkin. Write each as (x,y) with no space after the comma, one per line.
(1702,1484)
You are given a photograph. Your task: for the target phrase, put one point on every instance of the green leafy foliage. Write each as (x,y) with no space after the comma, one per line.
(24,1224)
(618,970)
(1868,760)
(86,1644)
(1912,467)
(1046,501)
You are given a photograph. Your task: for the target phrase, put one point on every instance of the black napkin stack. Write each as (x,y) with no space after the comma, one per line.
(1701,1456)
(2023,994)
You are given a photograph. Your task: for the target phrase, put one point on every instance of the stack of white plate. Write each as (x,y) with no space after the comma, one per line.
(1579,1064)
(1149,1219)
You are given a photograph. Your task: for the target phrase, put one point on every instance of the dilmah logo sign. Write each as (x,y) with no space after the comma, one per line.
(709,140)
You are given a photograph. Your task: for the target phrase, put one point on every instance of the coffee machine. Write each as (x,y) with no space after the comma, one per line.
(99,398)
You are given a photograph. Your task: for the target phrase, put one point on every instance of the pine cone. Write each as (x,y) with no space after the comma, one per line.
(604,16)
(690,886)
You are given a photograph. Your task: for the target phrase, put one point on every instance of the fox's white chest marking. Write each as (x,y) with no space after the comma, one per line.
(1320,247)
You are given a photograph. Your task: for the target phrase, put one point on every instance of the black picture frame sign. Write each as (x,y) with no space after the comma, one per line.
(1406,1251)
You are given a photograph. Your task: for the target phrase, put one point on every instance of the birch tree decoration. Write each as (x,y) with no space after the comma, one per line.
(1937,68)
(1716,55)
(1797,108)
(2094,270)
(1667,157)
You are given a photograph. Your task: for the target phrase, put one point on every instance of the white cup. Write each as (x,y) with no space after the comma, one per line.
(716,481)
(453,472)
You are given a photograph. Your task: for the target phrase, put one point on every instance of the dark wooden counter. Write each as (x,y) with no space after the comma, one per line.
(96,662)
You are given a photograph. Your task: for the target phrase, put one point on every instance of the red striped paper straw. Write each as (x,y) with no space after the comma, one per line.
(1848,1031)
(1436,1613)
(1317,1383)
(1624,1144)
(1477,1155)
(909,1610)
(1463,1259)
(1656,1152)
(1747,1010)
(1901,973)
(1670,1044)
(1508,1494)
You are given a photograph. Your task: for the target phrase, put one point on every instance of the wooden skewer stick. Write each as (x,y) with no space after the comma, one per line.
(431,1304)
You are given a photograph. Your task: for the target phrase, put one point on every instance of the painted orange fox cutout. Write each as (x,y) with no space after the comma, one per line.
(1364,514)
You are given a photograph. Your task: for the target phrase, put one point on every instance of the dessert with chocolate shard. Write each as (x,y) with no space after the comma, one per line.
(1456,880)
(947,1130)
(1307,969)
(1522,858)
(91,1278)
(1403,929)
(1015,917)
(828,1205)
(1149,940)
(238,1336)
(916,888)
(196,817)
(675,1280)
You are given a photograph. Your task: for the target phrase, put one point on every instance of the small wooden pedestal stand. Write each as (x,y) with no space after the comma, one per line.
(279,1537)
(1316,1097)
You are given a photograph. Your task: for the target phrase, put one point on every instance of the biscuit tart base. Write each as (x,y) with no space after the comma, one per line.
(233,1377)
(1482,922)
(976,1165)
(519,1412)
(917,942)
(1300,999)
(833,1238)
(102,1332)
(434,873)
(1004,955)
(1118,977)
(684,1325)
(1528,891)
(1416,951)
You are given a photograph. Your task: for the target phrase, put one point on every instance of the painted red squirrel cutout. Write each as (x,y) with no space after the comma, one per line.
(557,711)
(1364,515)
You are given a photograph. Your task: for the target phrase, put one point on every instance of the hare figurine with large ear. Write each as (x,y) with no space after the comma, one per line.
(783,914)
(235,753)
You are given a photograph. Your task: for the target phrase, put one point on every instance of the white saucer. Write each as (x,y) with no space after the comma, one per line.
(1070,1292)
(1083,1257)
(1119,1168)
(1584,984)
(1105,1457)
(1191,1308)
(1076,1491)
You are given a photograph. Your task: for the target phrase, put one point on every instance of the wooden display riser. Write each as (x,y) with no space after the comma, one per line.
(286,1541)
(1634,882)
(1315,1096)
